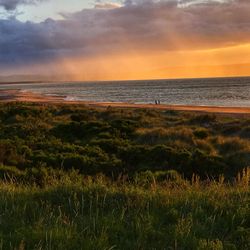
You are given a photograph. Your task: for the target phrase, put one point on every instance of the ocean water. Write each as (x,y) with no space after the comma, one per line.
(230,92)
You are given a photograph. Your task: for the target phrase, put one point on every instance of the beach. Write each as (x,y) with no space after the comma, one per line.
(125,124)
(29,97)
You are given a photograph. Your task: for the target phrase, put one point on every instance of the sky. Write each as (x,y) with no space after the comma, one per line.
(125,39)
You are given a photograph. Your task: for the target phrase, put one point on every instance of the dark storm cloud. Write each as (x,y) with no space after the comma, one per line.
(12,4)
(137,25)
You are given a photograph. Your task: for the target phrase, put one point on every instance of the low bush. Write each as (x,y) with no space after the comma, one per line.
(113,140)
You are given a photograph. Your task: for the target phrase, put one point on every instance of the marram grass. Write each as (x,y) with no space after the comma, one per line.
(135,197)
(78,212)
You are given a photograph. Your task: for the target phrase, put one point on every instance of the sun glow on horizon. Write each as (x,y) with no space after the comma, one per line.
(134,40)
(220,62)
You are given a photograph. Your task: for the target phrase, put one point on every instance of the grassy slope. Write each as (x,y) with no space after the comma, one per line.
(44,204)
(96,214)
(123,141)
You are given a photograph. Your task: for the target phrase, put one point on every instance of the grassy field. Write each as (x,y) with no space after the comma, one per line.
(73,177)
(94,213)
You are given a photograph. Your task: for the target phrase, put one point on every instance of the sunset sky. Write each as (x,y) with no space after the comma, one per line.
(127,39)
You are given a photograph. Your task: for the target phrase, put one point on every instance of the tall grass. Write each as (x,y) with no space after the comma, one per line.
(78,212)
(134,198)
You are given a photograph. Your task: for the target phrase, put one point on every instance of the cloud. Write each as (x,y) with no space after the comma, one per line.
(107,5)
(12,4)
(137,26)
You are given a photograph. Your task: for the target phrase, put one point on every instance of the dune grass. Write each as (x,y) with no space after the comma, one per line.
(73,177)
(116,141)
(80,212)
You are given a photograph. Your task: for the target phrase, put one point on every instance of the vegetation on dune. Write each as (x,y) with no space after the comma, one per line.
(74,177)
(154,211)
(123,141)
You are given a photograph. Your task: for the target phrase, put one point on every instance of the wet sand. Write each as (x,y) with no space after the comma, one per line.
(18,96)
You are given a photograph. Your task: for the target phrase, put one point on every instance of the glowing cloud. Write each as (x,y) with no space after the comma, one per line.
(140,38)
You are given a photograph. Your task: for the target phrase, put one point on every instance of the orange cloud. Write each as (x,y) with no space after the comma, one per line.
(143,39)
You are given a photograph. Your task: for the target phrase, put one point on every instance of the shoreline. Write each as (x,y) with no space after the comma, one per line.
(8,96)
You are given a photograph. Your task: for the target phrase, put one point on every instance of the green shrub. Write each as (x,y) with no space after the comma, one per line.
(127,140)
(245,132)
(205,119)
(201,133)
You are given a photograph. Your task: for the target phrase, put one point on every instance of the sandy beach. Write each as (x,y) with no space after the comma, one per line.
(19,96)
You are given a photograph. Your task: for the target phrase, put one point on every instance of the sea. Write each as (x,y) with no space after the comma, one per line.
(224,92)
